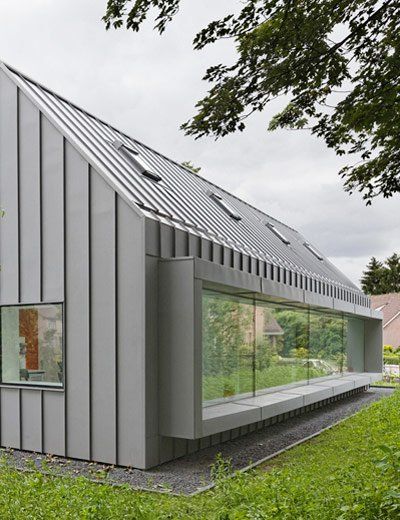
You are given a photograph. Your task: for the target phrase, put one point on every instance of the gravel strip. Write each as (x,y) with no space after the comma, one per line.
(192,472)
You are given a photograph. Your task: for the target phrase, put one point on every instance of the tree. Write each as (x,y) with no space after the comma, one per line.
(382,277)
(337,62)
(392,275)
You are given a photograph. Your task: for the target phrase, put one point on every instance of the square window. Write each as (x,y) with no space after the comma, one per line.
(32,345)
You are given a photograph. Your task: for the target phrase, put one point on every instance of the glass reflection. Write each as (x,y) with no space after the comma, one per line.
(251,346)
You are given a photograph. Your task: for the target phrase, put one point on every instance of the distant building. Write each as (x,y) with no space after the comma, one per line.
(389,305)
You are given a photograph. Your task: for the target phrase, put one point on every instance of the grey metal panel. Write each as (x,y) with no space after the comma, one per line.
(180,447)
(29,201)
(318,300)
(53,423)
(376,314)
(166,449)
(355,345)
(31,420)
(179,404)
(217,252)
(206,249)
(343,306)
(52,181)
(131,337)
(373,345)
(227,257)
(236,260)
(181,243)
(211,272)
(166,241)
(151,370)
(9,232)
(10,417)
(103,319)
(77,286)
(272,288)
(152,237)
(194,245)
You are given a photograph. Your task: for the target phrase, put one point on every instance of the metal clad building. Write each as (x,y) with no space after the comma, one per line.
(105,249)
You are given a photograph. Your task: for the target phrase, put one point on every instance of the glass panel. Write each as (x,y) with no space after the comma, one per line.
(228,346)
(31,345)
(282,346)
(251,346)
(326,345)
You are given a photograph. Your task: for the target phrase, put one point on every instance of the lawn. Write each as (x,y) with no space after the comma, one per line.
(349,472)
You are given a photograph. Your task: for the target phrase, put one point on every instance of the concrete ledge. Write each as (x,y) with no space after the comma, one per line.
(359,380)
(311,393)
(374,377)
(339,386)
(227,416)
(275,404)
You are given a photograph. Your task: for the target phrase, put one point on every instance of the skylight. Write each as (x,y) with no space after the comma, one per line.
(225,206)
(313,251)
(139,160)
(276,232)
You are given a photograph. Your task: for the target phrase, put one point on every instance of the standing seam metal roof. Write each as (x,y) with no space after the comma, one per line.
(182,197)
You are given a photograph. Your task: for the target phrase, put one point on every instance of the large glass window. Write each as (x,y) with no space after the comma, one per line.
(31,345)
(228,346)
(250,346)
(326,353)
(281,346)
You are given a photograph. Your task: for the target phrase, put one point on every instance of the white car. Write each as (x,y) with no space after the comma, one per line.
(320,364)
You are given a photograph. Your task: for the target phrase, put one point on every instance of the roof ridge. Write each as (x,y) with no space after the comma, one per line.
(90,114)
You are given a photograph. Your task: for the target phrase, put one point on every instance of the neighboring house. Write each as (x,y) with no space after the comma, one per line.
(389,305)
(153,277)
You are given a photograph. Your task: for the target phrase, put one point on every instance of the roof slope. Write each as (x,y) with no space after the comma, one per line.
(182,198)
(388,304)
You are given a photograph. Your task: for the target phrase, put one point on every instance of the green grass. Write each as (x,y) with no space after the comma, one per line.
(342,474)
(389,384)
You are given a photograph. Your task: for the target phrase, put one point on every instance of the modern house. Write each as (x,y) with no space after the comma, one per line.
(389,305)
(145,312)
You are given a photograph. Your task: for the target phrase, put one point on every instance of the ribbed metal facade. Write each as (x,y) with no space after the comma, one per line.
(182,198)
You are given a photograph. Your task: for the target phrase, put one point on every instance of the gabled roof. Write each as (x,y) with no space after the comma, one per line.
(182,198)
(388,304)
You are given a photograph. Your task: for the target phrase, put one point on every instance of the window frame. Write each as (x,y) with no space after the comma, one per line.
(37,385)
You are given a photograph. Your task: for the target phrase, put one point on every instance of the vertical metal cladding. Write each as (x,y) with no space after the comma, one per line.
(67,237)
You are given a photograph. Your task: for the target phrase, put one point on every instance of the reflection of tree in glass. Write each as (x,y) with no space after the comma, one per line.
(51,344)
(228,341)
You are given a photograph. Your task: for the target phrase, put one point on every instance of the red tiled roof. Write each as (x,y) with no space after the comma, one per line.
(388,304)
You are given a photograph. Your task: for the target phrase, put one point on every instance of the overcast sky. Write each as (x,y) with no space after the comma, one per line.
(147,86)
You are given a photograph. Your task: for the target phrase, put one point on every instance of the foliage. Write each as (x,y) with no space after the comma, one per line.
(190,166)
(310,481)
(391,359)
(382,277)
(388,349)
(249,346)
(337,62)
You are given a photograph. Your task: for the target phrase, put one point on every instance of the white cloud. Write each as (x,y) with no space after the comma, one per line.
(147,86)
